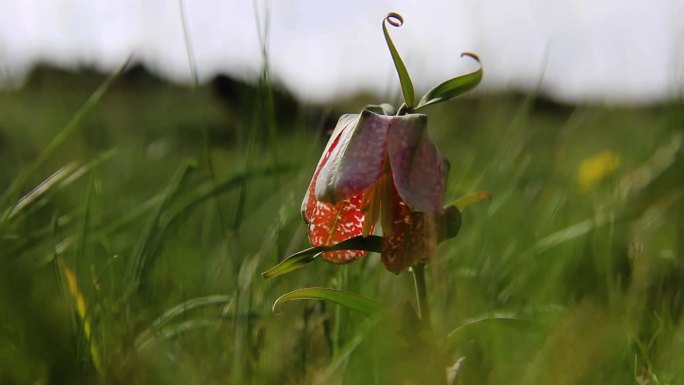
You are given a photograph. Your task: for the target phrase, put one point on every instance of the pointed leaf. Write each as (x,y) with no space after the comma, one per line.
(471,198)
(300,259)
(346,299)
(453,87)
(396,20)
(293,262)
(369,243)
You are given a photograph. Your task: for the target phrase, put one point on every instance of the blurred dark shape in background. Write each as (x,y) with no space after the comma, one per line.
(241,97)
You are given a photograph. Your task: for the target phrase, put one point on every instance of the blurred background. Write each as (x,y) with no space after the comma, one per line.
(574,50)
(153,158)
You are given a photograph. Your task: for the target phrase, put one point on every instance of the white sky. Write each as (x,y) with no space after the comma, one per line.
(601,50)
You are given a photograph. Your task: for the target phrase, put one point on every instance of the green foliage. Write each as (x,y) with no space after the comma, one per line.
(396,20)
(552,281)
(440,93)
(452,87)
(301,258)
(349,300)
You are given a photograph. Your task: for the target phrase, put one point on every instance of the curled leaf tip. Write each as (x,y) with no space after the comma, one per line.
(471,55)
(453,87)
(396,20)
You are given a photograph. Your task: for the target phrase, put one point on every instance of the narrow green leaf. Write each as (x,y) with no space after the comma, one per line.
(189,305)
(139,261)
(505,319)
(300,259)
(62,178)
(213,188)
(44,187)
(453,87)
(159,329)
(396,20)
(348,300)
(293,262)
(369,243)
(174,330)
(471,198)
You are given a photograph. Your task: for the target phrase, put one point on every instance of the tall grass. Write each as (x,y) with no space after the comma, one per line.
(149,223)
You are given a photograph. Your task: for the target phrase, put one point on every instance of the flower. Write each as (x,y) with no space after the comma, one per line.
(595,168)
(377,167)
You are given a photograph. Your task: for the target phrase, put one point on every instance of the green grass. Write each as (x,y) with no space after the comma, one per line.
(169,204)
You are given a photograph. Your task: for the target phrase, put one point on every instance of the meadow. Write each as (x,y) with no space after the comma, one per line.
(137,216)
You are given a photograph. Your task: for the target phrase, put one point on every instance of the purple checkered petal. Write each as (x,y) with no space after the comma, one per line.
(418,169)
(357,161)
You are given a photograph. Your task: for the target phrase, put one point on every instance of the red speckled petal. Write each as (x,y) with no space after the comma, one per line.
(418,169)
(413,237)
(357,161)
(330,224)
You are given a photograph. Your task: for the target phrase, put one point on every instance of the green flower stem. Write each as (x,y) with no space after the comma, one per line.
(421,292)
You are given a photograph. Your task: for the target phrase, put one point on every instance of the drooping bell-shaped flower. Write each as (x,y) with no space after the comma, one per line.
(385,167)
(377,167)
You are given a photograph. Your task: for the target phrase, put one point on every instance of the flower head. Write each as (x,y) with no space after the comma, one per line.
(384,167)
(377,167)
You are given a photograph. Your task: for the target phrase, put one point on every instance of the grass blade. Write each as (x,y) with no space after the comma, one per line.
(189,305)
(82,311)
(349,300)
(172,331)
(214,187)
(144,246)
(157,327)
(64,132)
(499,318)
(60,179)
(39,191)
